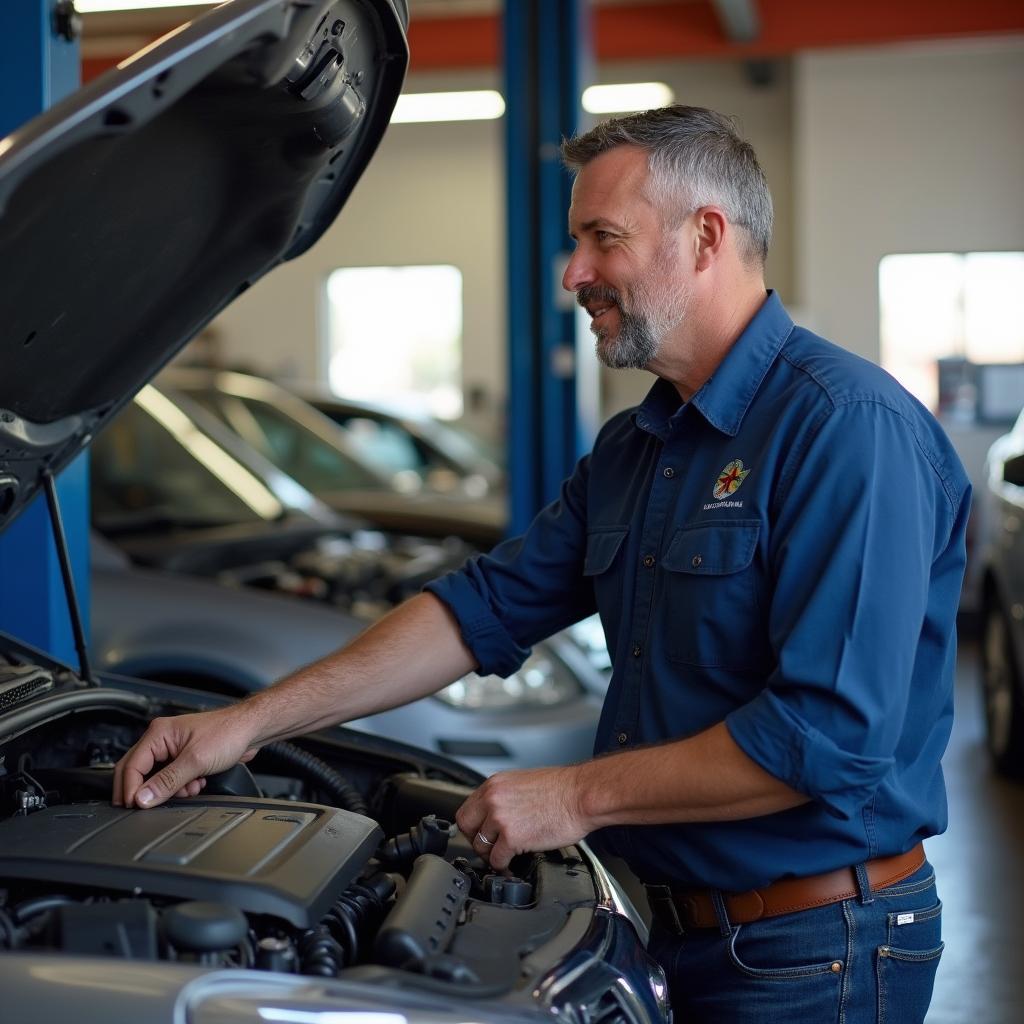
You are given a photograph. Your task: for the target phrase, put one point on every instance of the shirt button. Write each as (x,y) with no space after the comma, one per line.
(637,650)
(696,561)
(622,738)
(669,472)
(648,560)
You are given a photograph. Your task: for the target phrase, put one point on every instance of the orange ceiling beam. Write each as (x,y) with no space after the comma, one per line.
(692,29)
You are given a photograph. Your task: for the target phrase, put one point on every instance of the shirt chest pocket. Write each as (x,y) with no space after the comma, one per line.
(602,565)
(710,607)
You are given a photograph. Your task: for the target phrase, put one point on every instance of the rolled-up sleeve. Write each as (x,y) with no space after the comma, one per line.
(526,588)
(861,519)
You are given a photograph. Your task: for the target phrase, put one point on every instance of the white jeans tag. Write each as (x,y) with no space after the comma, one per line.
(904,918)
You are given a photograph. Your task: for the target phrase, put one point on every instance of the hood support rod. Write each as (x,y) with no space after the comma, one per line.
(63,556)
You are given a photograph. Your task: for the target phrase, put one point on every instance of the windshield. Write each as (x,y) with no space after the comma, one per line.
(144,475)
(317,464)
(388,446)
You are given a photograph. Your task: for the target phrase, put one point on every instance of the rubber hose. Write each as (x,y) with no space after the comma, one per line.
(348,797)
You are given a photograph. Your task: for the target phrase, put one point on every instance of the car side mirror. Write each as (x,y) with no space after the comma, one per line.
(1013,471)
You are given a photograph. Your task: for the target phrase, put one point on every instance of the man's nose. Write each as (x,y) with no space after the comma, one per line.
(577,273)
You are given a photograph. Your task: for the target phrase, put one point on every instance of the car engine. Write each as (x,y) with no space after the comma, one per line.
(366,573)
(315,862)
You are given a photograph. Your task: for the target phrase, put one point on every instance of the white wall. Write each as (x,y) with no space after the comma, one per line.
(902,149)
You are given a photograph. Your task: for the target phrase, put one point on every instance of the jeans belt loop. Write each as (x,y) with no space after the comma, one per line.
(663,908)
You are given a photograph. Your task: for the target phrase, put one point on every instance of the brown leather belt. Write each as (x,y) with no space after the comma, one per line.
(694,908)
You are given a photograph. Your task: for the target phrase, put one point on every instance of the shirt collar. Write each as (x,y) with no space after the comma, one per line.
(724,398)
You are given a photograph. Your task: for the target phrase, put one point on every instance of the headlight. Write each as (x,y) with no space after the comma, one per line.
(540,682)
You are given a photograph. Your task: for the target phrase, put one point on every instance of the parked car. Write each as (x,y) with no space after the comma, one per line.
(443,456)
(325,882)
(320,455)
(176,490)
(180,497)
(1002,604)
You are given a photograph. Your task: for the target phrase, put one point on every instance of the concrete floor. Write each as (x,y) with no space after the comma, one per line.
(979,865)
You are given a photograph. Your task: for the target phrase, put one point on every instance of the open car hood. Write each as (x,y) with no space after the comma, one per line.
(135,210)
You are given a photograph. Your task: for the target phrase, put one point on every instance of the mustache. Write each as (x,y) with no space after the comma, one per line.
(597,293)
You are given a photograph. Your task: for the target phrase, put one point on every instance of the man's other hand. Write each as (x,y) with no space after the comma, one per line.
(193,746)
(522,812)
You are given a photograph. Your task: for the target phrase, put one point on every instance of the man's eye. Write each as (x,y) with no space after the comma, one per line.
(602,236)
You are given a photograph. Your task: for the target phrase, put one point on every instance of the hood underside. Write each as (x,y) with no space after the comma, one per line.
(135,210)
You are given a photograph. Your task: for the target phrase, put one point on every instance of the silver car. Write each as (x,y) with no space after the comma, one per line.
(320,455)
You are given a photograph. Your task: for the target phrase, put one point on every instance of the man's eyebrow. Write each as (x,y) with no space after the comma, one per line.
(596,222)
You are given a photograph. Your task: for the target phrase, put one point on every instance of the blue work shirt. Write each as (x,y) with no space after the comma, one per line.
(784,552)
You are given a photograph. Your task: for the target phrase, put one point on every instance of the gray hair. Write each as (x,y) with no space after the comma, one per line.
(696,158)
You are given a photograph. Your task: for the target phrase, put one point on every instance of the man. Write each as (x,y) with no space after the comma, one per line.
(775,541)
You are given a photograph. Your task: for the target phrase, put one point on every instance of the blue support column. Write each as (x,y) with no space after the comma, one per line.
(547,51)
(38,66)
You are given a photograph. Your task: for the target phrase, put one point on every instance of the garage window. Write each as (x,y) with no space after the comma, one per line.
(394,335)
(952,330)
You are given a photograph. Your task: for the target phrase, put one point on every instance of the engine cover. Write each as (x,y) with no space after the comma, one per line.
(289,860)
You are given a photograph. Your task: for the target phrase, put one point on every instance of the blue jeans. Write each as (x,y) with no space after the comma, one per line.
(867,960)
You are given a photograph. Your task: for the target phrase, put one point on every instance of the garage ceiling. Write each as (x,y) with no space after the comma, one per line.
(449,34)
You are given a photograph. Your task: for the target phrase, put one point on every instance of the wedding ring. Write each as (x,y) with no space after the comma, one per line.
(483,839)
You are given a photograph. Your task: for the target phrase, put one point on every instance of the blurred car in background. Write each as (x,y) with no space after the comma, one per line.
(176,496)
(1002,604)
(320,455)
(175,490)
(445,457)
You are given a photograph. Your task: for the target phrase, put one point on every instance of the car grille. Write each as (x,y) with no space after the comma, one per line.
(607,1009)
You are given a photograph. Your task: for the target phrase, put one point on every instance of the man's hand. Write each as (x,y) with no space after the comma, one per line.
(194,745)
(521,812)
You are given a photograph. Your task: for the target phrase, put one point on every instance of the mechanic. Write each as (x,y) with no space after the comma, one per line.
(774,540)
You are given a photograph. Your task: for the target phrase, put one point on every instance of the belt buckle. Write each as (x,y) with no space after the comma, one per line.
(659,898)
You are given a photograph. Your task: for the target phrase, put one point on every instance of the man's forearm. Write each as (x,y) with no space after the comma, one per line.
(706,777)
(413,651)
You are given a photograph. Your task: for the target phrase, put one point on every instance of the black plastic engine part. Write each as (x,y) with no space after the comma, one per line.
(341,937)
(235,781)
(509,892)
(344,794)
(423,919)
(275,857)
(126,929)
(429,836)
(275,954)
(199,927)
(404,797)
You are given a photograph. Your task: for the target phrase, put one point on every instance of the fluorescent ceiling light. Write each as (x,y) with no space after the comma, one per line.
(93,6)
(612,99)
(478,105)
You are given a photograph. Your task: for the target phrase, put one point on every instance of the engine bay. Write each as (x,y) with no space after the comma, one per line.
(322,860)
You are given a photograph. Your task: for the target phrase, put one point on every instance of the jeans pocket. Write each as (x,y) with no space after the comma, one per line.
(788,947)
(786,980)
(906,966)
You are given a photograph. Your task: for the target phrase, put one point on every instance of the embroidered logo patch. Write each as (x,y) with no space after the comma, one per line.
(729,479)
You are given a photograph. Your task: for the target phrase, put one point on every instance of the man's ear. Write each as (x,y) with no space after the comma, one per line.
(710,226)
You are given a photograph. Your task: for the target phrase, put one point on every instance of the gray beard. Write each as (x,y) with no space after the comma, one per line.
(633,348)
(640,334)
